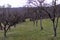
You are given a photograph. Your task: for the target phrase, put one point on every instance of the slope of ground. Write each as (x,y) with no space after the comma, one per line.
(28,31)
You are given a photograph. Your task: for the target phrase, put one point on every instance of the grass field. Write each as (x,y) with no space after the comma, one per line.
(28,31)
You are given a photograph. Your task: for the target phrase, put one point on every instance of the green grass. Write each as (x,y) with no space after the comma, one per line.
(28,31)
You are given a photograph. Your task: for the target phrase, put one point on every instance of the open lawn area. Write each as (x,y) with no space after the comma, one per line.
(28,31)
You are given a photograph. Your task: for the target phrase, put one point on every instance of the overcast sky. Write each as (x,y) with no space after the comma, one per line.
(19,3)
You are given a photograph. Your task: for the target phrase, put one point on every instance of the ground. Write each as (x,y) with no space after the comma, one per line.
(28,31)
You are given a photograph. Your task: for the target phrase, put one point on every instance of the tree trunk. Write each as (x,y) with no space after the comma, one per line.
(41,24)
(36,23)
(54,28)
(0,27)
(55,33)
(5,33)
(33,22)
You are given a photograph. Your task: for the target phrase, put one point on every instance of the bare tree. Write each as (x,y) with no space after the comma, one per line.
(37,3)
(7,19)
(54,17)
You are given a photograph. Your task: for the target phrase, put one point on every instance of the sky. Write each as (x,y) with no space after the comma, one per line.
(14,3)
(19,3)
(49,1)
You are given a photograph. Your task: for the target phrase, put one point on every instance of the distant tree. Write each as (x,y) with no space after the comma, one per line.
(8,19)
(37,3)
(54,17)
